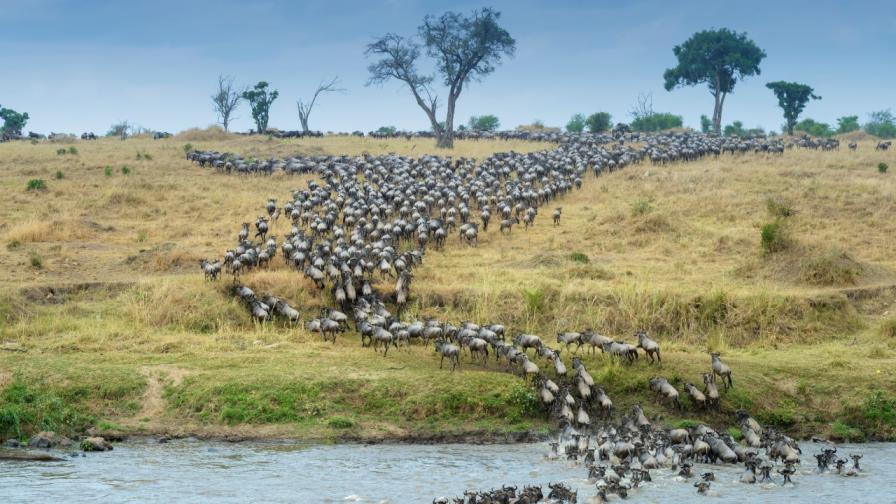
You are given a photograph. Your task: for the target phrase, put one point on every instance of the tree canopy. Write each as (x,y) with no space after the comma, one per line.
(718,58)
(599,122)
(846,124)
(486,122)
(576,124)
(881,124)
(792,98)
(465,48)
(260,100)
(13,122)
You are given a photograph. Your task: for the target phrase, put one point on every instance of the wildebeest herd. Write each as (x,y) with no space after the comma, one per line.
(367,221)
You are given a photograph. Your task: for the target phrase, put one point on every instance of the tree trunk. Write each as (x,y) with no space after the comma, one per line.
(717,116)
(304,121)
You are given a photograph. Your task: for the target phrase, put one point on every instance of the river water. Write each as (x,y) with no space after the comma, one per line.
(201,471)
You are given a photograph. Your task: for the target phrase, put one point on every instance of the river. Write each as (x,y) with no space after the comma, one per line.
(201,471)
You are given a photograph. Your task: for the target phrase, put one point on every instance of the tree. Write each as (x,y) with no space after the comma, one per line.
(305,108)
(737,129)
(260,101)
(576,124)
(13,122)
(226,100)
(705,124)
(657,121)
(465,48)
(792,98)
(387,130)
(881,124)
(814,128)
(486,122)
(846,124)
(599,122)
(119,129)
(718,58)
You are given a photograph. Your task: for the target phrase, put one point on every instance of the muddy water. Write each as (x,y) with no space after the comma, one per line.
(201,471)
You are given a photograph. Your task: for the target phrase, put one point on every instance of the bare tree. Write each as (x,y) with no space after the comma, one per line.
(465,49)
(644,106)
(305,108)
(226,100)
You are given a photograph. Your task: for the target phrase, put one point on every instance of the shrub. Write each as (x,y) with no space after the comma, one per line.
(14,245)
(880,409)
(576,124)
(534,300)
(143,155)
(641,207)
(846,124)
(579,257)
(845,432)
(107,171)
(61,152)
(814,128)
(125,170)
(36,260)
(59,175)
(735,433)
(881,124)
(36,185)
(882,167)
(599,122)
(772,237)
(73,150)
(486,122)
(188,148)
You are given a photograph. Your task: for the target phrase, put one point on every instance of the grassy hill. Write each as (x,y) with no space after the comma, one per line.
(105,320)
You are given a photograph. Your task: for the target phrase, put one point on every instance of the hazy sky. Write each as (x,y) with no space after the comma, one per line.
(82,65)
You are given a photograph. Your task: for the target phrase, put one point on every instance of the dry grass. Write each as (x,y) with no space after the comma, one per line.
(806,330)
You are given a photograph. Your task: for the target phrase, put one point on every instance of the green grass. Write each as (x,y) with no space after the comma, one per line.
(36,185)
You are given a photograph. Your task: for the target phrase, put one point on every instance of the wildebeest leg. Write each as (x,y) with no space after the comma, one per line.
(441,361)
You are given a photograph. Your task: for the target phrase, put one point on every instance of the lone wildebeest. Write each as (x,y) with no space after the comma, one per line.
(721,369)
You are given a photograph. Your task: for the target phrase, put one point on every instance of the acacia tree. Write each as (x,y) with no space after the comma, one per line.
(718,58)
(226,100)
(305,108)
(792,98)
(13,122)
(465,48)
(260,101)
(576,124)
(486,122)
(599,122)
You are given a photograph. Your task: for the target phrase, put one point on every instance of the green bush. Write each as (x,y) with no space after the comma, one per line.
(657,121)
(107,171)
(772,237)
(26,408)
(846,124)
(61,152)
(814,128)
(36,260)
(125,170)
(845,432)
(73,150)
(14,245)
(599,122)
(641,207)
(60,175)
(882,167)
(143,155)
(576,124)
(881,124)
(778,208)
(579,257)
(188,148)
(36,185)
(339,422)
(880,408)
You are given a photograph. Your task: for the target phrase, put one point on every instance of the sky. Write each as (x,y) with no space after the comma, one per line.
(78,66)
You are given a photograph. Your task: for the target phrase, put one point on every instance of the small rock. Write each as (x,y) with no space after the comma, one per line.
(12,443)
(95,444)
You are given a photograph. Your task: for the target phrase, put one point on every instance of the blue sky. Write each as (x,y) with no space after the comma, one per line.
(78,66)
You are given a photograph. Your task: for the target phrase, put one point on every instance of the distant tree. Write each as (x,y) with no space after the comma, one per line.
(737,129)
(576,124)
(599,122)
(120,129)
(226,100)
(13,122)
(386,130)
(792,98)
(814,128)
(260,101)
(465,48)
(846,124)
(881,124)
(718,58)
(705,124)
(486,122)
(305,108)
(657,121)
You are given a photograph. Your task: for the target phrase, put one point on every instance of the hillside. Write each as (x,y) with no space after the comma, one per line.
(118,330)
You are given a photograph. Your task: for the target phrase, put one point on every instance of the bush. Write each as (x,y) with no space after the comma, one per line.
(338,422)
(36,185)
(882,167)
(847,124)
(143,155)
(880,409)
(61,152)
(811,127)
(188,148)
(125,170)
(486,122)
(73,150)
(36,260)
(579,257)
(772,237)
(14,245)
(657,121)
(576,124)
(107,171)
(846,433)
(59,175)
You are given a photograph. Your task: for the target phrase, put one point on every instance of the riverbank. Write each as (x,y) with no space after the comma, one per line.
(112,328)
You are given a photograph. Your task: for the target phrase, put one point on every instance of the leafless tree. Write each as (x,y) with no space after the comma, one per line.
(226,100)
(644,106)
(305,108)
